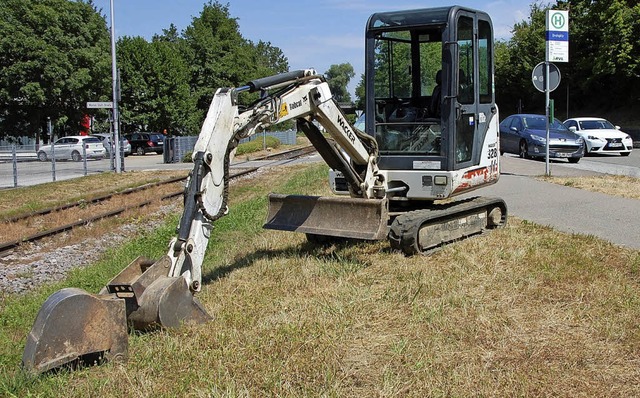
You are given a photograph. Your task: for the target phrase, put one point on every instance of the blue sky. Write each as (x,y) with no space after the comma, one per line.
(312,34)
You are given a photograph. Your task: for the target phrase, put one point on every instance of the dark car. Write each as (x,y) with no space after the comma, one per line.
(143,143)
(525,135)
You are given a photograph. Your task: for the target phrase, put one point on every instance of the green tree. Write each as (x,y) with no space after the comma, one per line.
(54,57)
(516,59)
(361,93)
(604,52)
(156,95)
(603,74)
(338,77)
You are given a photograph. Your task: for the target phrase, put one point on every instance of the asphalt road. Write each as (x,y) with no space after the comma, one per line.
(564,208)
(570,209)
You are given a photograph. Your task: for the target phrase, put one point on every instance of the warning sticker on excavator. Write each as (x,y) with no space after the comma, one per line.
(284,110)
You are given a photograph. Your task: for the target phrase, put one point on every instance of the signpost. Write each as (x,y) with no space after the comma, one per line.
(557,40)
(557,36)
(100,105)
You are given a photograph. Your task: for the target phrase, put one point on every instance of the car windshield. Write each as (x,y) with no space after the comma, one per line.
(91,139)
(595,124)
(540,123)
(157,137)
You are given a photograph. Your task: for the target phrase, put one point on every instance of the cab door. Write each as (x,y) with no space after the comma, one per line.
(472,87)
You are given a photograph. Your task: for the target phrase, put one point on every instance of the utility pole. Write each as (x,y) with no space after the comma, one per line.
(114,86)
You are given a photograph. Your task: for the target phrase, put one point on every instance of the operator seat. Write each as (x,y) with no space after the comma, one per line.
(436,96)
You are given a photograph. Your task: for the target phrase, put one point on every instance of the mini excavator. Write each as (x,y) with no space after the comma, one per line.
(429,133)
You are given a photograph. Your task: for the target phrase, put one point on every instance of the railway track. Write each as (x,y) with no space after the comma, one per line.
(147,194)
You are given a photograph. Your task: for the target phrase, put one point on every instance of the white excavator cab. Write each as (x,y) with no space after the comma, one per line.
(430,101)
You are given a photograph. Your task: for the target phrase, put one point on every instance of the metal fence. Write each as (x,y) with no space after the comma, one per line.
(176,148)
(19,166)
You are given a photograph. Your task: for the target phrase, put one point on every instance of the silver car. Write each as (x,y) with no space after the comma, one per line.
(106,142)
(74,148)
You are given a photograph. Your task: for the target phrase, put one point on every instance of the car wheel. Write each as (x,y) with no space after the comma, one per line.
(625,153)
(42,156)
(140,151)
(524,150)
(75,156)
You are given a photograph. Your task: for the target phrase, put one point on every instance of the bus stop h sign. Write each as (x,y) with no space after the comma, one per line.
(557,36)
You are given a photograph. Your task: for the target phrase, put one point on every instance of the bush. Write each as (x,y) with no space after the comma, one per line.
(244,148)
(257,145)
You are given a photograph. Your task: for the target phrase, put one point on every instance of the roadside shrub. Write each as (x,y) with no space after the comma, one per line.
(246,147)
(257,145)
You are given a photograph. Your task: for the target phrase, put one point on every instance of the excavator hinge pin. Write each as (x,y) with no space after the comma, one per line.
(189,248)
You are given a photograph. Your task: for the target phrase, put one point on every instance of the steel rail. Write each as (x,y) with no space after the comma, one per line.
(7,246)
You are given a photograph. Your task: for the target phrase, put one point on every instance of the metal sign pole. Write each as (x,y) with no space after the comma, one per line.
(547,168)
(114,76)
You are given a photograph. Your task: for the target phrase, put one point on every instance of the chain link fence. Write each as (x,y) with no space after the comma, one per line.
(20,166)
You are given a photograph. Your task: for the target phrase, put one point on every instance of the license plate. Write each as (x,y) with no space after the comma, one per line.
(615,144)
(562,155)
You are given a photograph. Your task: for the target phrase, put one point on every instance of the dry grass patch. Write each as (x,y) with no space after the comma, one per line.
(28,199)
(521,311)
(624,186)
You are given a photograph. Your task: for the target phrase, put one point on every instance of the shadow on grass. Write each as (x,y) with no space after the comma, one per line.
(331,250)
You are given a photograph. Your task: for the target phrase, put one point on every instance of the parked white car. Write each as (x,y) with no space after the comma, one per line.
(74,148)
(600,135)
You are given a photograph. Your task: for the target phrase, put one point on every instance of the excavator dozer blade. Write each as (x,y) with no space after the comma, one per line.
(73,326)
(329,216)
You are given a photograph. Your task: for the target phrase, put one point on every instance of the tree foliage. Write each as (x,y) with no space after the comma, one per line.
(603,72)
(54,57)
(169,82)
(338,77)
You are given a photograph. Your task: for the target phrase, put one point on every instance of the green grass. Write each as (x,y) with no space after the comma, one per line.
(522,311)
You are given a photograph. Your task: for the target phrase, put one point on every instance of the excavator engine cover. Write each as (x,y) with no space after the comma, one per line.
(330,216)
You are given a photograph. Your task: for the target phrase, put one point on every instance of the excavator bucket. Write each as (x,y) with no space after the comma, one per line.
(74,326)
(329,216)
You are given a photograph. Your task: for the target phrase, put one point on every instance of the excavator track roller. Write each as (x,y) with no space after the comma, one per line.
(423,230)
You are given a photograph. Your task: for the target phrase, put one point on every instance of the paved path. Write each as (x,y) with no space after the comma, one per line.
(565,208)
